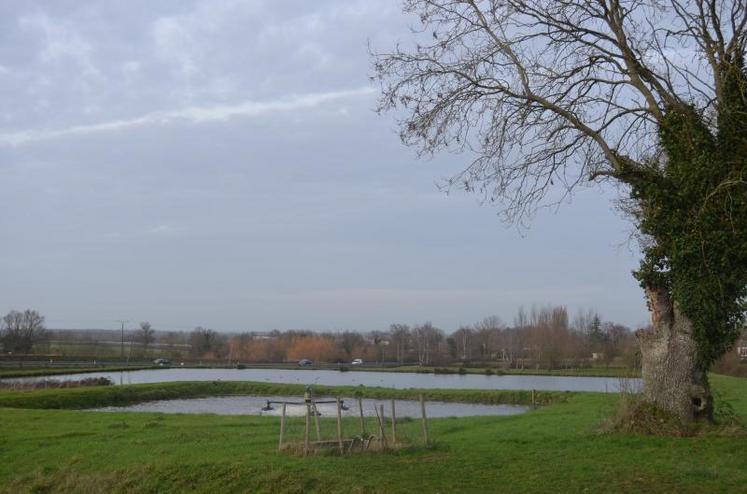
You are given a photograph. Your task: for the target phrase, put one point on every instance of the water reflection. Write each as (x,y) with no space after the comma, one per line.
(399,380)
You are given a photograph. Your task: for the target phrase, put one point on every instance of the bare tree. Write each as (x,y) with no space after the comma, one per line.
(400,335)
(588,324)
(516,339)
(521,320)
(20,331)
(486,335)
(549,94)
(451,344)
(616,340)
(206,342)
(583,320)
(427,338)
(349,341)
(145,335)
(463,337)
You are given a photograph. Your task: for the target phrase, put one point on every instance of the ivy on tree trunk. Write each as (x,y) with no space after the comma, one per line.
(693,208)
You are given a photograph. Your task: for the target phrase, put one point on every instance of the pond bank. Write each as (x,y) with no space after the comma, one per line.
(102,396)
(621,372)
(401,380)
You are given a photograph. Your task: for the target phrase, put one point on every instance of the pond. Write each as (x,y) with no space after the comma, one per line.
(252,405)
(399,380)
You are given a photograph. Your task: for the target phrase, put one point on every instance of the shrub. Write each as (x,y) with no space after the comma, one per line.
(730,365)
(634,415)
(443,370)
(724,413)
(52,383)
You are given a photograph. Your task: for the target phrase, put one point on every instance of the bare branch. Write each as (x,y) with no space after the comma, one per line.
(547,92)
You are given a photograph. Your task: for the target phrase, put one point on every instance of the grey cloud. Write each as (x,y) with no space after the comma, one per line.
(192,115)
(219,163)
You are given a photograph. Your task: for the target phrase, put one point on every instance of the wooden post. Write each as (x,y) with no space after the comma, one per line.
(380,420)
(425,420)
(394,425)
(316,421)
(306,431)
(382,423)
(282,429)
(533,401)
(360,407)
(339,426)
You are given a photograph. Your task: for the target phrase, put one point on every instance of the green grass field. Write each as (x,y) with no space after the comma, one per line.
(556,448)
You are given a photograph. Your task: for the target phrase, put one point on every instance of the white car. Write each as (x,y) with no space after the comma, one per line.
(357,361)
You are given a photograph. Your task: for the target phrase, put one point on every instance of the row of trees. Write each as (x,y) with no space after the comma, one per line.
(541,336)
(23,332)
(546,337)
(201,342)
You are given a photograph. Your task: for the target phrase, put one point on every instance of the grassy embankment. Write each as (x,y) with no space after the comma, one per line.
(100,396)
(46,371)
(553,449)
(612,371)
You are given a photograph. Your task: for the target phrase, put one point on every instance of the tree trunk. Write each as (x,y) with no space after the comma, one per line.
(672,379)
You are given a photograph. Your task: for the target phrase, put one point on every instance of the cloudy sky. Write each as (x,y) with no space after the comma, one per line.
(219,163)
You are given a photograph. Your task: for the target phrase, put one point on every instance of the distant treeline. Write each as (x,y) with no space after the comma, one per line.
(539,337)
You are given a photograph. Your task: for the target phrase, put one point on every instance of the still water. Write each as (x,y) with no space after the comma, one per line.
(399,380)
(252,405)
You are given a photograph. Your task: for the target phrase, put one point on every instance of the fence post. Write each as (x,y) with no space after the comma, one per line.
(316,421)
(380,419)
(360,407)
(339,426)
(425,420)
(394,425)
(306,431)
(282,429)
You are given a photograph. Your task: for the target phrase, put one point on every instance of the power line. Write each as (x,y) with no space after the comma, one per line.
(122,322)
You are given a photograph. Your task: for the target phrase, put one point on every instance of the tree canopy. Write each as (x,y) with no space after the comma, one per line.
(546,95)
(19,331)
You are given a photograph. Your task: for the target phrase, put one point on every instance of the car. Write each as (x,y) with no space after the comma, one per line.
(162,361)
(357,361)
(304,362)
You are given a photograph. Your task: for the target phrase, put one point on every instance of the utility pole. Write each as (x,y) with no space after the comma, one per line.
(122,322)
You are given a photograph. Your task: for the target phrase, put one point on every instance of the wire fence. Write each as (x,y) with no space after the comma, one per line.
(346,426)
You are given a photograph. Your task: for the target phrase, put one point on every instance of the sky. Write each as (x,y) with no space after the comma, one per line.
(220,163)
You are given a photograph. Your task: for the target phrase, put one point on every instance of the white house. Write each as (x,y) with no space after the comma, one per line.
(742,346)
